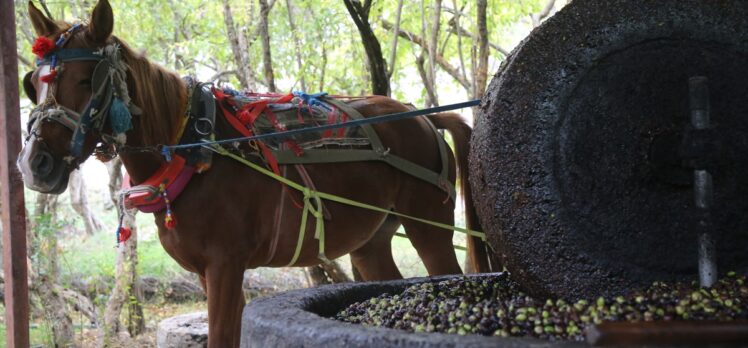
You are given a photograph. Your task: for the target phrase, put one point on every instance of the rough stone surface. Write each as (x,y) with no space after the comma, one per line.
(150,286)
(183,290)
(183,331)
(300,318)
(575,163)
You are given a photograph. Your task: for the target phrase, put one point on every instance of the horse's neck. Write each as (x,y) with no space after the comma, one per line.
(142,165)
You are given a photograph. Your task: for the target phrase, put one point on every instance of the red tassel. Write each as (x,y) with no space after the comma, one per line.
(124,234)
(49,78)
(169,221)
(42,46)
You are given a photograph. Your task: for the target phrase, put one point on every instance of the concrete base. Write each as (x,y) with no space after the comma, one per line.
(183,331)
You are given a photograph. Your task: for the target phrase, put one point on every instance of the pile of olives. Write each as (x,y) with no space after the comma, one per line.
(496,306)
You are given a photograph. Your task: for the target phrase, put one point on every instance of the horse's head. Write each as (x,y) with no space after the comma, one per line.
(80,91)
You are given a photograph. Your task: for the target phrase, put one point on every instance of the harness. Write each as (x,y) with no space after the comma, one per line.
(357,144)
(164,186)
(109,102)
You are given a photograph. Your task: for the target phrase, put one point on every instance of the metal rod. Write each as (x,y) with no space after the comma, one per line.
(348,124)
(457,247)
(11,187)
(702,184)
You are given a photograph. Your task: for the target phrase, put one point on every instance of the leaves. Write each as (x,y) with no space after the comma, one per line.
(190,37)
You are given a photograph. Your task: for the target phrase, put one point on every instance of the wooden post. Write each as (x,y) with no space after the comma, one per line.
(11,186)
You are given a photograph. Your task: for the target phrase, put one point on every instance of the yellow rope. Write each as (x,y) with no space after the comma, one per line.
(316,208)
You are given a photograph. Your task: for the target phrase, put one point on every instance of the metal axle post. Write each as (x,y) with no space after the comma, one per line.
(702,184)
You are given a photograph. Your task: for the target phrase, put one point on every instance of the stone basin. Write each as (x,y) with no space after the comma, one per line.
(301,318)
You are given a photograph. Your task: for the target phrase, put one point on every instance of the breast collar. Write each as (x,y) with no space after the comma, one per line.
(164,186)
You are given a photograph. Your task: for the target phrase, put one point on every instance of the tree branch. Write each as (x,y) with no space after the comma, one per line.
(267,61)
(393,45)
(440,60)
(222,74)
(26,62)
(377,66)
(481,74)
(455,28)
(538,17)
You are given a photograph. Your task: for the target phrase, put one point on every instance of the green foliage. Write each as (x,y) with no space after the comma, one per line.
(190,36)
(94,258)
(40,335)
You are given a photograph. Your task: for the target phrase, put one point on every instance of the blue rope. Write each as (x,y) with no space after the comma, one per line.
(286,134)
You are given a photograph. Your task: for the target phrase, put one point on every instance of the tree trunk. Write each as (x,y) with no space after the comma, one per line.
(380,83)
(79,202)
(297,43)
(125,288)
(433,49)
(44,271)
(335,272)
(239,48)
(430,88)
(481,73)
(267,61)
(326,273)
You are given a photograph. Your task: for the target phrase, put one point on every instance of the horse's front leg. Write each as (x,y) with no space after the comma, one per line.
(225,303)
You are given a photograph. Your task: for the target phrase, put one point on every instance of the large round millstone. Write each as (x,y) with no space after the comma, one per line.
(575,159)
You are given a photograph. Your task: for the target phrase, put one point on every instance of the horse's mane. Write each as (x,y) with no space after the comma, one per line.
(160,93)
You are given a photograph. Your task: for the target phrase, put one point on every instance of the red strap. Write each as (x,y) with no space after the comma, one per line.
(284,99)
(241,128)
(272,162)
(330,120)
(278,127)
(250,112)
(343,119)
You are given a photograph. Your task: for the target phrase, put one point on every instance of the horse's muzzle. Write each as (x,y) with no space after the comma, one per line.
(41,171)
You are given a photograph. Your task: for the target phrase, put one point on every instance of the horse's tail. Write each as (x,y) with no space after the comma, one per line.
(460,131)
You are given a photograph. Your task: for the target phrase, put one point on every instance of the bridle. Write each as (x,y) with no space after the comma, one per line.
(109,102)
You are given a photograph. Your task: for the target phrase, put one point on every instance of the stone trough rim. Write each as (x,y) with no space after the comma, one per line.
(294,318)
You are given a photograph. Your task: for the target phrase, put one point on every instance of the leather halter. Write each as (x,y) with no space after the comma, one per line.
(109,71)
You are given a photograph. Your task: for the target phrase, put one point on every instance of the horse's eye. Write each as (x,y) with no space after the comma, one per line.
(86,82)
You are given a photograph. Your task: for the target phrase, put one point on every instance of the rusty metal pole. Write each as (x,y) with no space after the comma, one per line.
(11,186)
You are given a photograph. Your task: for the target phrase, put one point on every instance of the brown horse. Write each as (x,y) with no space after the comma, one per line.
(228,215)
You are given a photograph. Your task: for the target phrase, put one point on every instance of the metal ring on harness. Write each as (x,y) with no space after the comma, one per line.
(203,126)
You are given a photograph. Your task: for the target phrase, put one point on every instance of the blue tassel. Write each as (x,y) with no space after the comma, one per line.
(313,99)
(166,152)
(119,117)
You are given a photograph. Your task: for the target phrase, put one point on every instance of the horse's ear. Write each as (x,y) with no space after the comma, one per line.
(28,87)
(42,24)
(102,22)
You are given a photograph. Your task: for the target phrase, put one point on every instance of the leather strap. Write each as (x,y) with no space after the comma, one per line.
(377,153)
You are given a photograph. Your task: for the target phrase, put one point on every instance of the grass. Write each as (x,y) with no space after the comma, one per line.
(94,257)
(40,335)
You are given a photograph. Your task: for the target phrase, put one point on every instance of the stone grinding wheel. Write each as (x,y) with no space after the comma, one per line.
(575,161)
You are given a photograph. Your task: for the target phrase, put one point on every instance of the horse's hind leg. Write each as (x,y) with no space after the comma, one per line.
(225,304)
(433,244)
(374,259)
